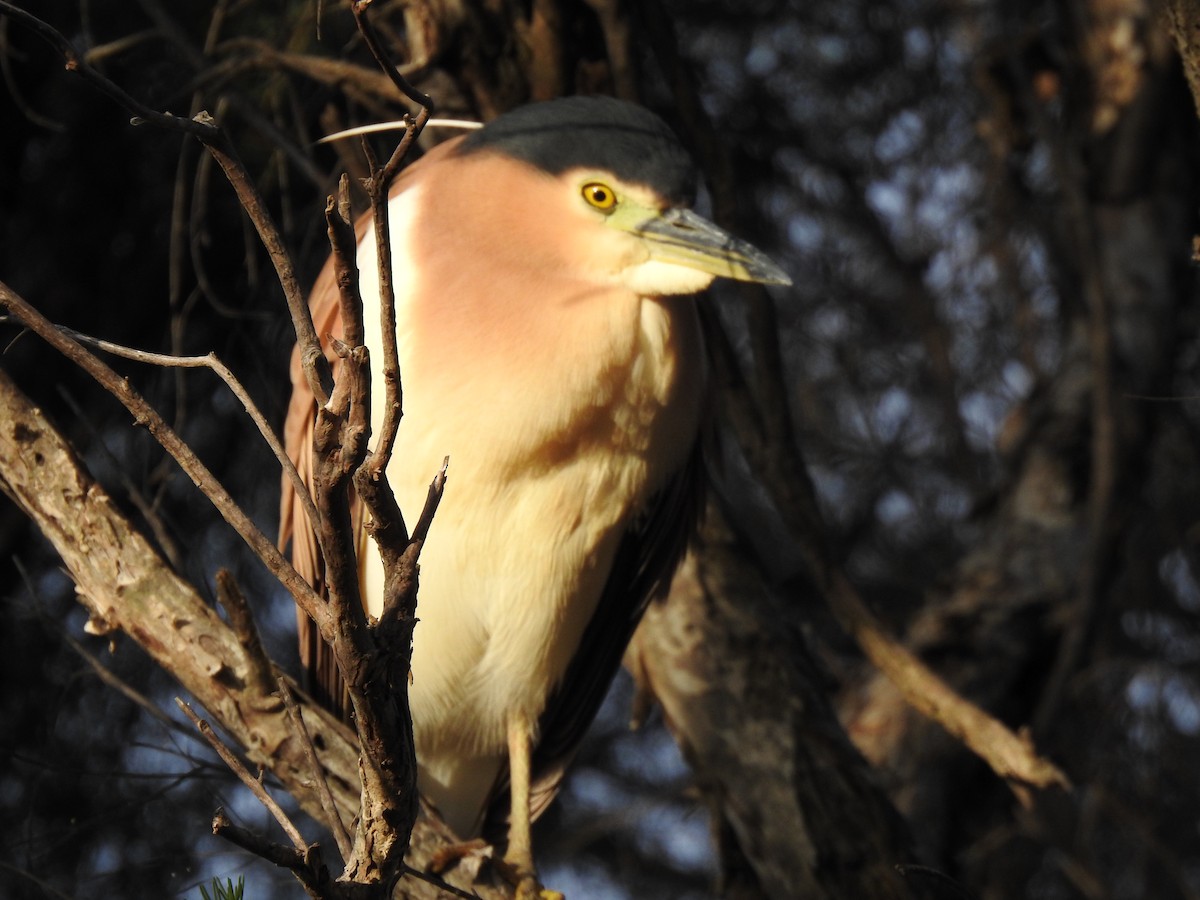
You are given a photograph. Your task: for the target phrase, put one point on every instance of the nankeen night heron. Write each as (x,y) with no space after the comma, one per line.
(548,346)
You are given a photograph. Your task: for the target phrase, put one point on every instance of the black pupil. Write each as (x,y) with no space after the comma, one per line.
(599,195)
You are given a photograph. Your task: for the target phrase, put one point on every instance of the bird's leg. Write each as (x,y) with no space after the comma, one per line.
(520,843)
(519,856)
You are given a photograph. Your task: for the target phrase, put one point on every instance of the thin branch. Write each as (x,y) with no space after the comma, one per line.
(400,590)
(436,488)
(212,362)
(1011,756)
(144,414)
(254,784)
(280,855)
(386,521)
(313,361)
(122,687)
(439,883)
(261,673)
(377,190)
(413,129)
(305,864)
(343,244)
(367,30)
(204,131)
(339,444)
(320,784)
(375,468)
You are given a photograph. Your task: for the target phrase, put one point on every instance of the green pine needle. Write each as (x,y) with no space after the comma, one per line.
(228,891)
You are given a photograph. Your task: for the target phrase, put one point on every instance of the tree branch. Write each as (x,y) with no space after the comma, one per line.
(126,586)
(332,816)
(254,784)
(145,415)
(212,362)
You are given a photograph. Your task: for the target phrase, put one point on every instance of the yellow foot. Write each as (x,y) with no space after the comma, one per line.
(529,889)
(525,882)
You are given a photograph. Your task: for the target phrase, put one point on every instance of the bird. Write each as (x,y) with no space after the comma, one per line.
(546,267)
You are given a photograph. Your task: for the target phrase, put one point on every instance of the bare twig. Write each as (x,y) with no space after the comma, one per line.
(1009,755)
(145,415)
(320,784)
(229,595)
(367,30)
(127,690)
(315,366)
(400,591)
(438,882)
(212,362)
(377,189)
(432,499)
(413,129)
(343,244)
(305,864)
(284,857)
(386,521)
(254,784)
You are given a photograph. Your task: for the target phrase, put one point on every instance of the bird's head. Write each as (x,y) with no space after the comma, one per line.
(615,193)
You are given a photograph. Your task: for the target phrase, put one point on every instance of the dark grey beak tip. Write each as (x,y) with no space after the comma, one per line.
(762,269)
(777,276)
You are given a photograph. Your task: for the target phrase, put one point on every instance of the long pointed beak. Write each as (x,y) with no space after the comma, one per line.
(681,237)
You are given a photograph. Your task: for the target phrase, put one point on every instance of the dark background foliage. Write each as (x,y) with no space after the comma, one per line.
(989,357)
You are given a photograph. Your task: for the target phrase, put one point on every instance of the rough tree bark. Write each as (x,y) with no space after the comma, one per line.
(796,810)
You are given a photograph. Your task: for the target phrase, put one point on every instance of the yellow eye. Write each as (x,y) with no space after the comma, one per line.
(601,196)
